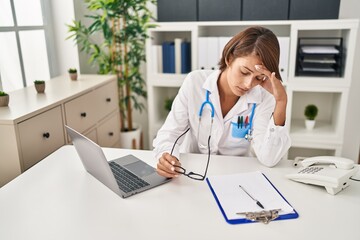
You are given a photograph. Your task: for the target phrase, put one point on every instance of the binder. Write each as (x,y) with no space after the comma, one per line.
(172,57)
(157,63)
(213,53)
(202,52)
(185,57)
(284,43)
(168,57)
(222,42)
(232,200)
(178,56)
(165,57)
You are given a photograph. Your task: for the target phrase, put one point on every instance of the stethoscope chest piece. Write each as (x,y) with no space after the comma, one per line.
(249,136)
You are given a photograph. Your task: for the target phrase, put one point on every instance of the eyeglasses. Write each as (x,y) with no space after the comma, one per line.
(192,175)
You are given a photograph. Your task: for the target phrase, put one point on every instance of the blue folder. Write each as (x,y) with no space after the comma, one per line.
(185,57)
(244,220)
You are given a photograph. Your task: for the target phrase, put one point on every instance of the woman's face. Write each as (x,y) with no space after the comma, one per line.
(242,76)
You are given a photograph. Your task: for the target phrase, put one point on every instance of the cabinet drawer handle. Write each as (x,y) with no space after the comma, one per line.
(83,114)
(108,99)
(46,135)
(111,134)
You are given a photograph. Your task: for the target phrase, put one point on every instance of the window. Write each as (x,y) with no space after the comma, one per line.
(23,44)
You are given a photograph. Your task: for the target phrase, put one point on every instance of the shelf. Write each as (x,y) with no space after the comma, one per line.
(323,133)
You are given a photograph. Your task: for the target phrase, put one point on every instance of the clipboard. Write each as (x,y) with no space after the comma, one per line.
(250,216)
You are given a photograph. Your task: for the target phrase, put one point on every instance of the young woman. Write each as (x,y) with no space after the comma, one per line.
(242,106)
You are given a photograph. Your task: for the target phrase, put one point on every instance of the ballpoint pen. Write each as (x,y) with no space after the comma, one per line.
(238,122)
(257,202)
(246,121)
(241,121)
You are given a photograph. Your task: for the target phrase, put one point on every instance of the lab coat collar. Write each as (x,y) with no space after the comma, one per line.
(253,96)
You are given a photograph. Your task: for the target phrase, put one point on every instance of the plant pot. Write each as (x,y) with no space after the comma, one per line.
(73,76)
(309,124)
(4,101)
(40,88)
(131,139)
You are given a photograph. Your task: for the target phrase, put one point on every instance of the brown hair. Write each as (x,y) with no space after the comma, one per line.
(258,40)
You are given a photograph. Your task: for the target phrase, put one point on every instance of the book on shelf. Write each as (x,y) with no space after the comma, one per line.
(168,56)
(177,44)
(176,57)
(185,57)
(157,65)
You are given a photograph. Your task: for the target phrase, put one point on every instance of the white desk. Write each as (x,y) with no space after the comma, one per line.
(58,199)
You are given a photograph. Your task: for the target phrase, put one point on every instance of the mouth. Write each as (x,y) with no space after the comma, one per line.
(242,89)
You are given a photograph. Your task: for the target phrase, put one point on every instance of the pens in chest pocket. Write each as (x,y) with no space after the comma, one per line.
(246,121)
(240,121)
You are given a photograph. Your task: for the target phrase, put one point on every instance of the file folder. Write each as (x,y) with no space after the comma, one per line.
(232,200)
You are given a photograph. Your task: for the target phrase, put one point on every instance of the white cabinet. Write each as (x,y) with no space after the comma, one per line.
(330,94)
(32,126)
(40,135)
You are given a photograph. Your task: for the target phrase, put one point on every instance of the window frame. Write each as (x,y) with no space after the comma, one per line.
(49,39)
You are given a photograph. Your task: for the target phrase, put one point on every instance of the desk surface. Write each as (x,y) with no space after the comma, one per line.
(58,199)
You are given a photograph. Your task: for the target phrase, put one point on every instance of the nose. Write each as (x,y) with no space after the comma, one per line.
(248,82)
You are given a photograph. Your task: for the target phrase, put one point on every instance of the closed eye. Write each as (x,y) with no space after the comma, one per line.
(245,74)
(260,77)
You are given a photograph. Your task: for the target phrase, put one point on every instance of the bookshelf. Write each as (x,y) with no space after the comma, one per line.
(329,93)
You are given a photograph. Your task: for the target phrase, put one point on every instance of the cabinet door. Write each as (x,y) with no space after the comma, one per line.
(81,113)
(107,99)
(108,133)
(40,136)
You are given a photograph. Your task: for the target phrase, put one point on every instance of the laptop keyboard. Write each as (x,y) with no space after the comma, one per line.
(126,180)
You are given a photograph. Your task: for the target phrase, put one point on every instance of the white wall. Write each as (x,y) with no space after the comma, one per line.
(350,9)
(66,50)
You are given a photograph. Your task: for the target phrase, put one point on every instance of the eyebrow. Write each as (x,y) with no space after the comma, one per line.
(247,68)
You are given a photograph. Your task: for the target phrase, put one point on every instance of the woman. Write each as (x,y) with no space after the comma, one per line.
(243,106)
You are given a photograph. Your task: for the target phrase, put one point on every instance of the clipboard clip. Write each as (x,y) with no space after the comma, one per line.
(262,216)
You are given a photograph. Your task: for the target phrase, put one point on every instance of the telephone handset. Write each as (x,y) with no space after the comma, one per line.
(331,172)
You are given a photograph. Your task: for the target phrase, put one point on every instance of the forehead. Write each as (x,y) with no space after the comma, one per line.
(248,61)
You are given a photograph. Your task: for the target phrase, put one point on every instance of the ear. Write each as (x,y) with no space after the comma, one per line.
(228,61)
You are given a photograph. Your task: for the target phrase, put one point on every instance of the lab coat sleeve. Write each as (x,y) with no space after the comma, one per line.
(270,142)
(175,124)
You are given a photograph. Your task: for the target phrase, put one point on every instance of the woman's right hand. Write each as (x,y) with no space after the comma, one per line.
(166,166)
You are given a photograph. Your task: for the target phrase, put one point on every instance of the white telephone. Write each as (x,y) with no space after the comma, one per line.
(331,172)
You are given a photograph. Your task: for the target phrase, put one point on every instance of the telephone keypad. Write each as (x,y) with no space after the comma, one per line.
(311,170)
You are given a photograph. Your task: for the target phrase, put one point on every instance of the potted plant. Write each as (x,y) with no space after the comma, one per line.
(39,86)
(73,73)
(122,26)
(4,99)
(310,113)
(168,104)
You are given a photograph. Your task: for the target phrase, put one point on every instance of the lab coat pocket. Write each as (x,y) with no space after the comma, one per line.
(239,131)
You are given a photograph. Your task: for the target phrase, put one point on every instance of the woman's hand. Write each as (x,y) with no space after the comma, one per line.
(272,84)
(275,87)
(166,166)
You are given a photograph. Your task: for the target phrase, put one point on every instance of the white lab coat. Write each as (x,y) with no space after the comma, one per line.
(269,144)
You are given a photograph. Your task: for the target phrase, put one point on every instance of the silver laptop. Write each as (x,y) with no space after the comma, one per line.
(125,176)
